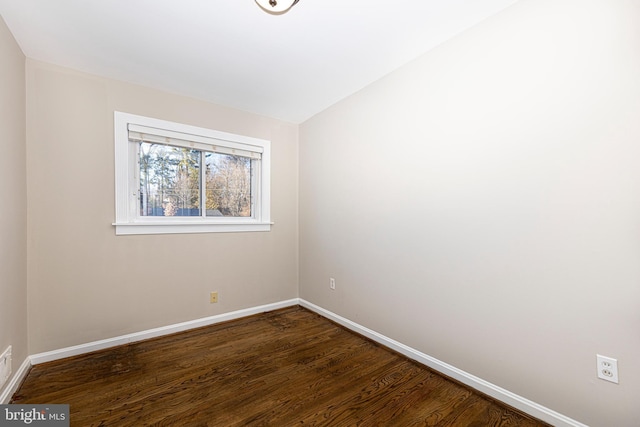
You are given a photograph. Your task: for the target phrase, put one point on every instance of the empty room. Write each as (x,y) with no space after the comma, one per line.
(320,212)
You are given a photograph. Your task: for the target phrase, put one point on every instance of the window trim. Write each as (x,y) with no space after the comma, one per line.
(128,221)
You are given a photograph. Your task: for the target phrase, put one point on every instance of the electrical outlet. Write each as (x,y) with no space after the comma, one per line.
(5,366)
(332,283)
(213,298)
(607,368)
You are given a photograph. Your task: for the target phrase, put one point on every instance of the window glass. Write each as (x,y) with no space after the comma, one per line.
(228,183)
(169,181)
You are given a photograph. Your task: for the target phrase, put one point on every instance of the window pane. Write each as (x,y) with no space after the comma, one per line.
(169,180)
(228,180)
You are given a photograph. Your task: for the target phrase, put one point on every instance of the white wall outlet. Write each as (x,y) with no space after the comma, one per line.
(607,368)
(332,283)
(5,366)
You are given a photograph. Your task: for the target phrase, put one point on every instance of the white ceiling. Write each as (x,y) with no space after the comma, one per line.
(230,52)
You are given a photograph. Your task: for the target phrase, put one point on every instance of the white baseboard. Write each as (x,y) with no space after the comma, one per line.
(15,382)
(535,410)
(492,390)
(156,332)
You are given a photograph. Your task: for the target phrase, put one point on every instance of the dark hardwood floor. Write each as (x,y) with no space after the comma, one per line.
(283,368)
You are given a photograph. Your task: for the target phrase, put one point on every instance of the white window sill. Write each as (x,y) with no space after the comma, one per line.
(189,227)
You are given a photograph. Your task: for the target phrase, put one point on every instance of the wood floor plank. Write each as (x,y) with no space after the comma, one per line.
(282,368)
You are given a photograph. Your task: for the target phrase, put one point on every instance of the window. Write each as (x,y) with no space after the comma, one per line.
(174,178)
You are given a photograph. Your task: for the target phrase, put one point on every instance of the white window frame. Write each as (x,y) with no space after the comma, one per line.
(129,221)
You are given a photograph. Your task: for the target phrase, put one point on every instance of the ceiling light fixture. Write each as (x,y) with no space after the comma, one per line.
(276,7)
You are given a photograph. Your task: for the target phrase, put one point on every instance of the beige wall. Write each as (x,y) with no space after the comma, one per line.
(482,205)
(13,200)
(87,284)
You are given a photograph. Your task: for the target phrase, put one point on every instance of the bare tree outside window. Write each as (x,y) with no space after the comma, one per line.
(228,181)
(170,180)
